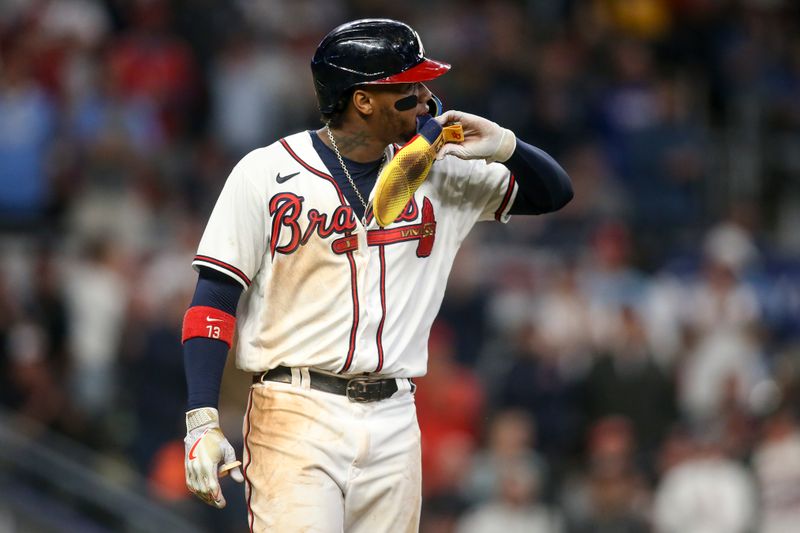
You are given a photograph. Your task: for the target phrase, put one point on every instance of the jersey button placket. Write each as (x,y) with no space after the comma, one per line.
(362,258)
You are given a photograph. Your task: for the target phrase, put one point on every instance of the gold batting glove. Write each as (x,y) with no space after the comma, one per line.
(483,139)
(402,176)
(206,447)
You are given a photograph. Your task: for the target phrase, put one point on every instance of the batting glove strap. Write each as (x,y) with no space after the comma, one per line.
(505,146)
(204,416)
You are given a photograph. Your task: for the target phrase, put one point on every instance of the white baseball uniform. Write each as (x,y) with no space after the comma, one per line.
(322,291)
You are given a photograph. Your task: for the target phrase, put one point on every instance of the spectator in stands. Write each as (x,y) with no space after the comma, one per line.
(27,129)
(516,506)
(609,495)
(510,441)
(705,491)
(535,383)
(721,315)
(97,302)
(625,369)
(776,464)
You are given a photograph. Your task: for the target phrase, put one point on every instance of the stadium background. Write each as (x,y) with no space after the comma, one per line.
(629,363)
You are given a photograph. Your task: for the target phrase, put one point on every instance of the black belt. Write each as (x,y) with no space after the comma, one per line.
(359,389)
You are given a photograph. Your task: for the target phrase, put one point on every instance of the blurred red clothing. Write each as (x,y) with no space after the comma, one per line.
(159,69)
(450,401)
(166,478)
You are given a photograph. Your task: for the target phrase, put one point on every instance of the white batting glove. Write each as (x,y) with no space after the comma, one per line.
(206,446)
(483,139)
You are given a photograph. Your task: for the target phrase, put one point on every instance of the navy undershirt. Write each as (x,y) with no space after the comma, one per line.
(543,187)
(203,358)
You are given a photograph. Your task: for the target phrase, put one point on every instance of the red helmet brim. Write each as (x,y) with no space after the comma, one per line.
(427,70)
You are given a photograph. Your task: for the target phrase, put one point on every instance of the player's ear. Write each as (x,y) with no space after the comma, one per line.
(363,102)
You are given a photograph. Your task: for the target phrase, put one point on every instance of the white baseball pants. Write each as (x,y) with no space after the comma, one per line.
(318,463)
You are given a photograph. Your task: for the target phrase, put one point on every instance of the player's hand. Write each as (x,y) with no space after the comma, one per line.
(483,139)
(206,447)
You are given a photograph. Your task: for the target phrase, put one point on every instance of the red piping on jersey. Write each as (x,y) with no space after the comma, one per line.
(232,269)
(251,516)
(353,274)
(379,337)
(312,169)
(354,293)
(499,213)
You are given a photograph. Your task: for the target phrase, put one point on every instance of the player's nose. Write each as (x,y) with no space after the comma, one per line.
(424,93)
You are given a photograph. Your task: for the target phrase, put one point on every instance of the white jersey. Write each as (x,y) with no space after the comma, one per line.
(321,289)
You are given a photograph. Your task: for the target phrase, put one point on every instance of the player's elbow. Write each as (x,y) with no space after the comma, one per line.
(560,190)
(565,193)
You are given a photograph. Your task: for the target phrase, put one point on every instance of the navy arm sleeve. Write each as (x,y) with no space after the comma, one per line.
(543,185)
(203,358)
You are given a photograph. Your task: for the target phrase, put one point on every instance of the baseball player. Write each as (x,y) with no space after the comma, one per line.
(330,311)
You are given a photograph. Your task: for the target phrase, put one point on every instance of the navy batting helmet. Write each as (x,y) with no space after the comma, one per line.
(369,51)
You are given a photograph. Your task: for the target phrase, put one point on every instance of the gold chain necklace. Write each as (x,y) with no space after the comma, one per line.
(347,173)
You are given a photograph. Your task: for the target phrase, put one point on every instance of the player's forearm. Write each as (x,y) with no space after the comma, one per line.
(206,349)
(204,362)
(544,185)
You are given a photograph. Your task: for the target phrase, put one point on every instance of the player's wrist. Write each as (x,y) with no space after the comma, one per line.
(201,417)
(505,146)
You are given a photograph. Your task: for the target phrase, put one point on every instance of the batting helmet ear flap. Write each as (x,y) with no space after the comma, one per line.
(435,107)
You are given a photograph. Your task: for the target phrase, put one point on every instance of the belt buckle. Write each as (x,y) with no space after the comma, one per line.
(363,390)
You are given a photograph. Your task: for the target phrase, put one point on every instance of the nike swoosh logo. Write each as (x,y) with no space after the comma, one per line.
(209,319)
(192,456)
(287,177)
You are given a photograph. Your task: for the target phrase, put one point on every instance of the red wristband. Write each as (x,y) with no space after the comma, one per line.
(208,322)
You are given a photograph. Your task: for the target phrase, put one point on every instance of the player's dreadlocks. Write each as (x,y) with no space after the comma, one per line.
(335,118)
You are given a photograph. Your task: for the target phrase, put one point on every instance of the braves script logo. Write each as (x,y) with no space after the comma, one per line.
(286,209)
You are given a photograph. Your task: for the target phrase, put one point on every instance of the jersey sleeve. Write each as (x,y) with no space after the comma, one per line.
(491,189)
(484,191)
(236,236)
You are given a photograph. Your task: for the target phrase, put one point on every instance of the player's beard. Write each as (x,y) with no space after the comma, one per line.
(408,136)
(401,126)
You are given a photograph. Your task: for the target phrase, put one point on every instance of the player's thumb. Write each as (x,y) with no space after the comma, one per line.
(448,117)
(236,475)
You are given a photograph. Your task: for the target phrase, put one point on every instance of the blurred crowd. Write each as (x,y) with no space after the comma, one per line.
(628,364)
